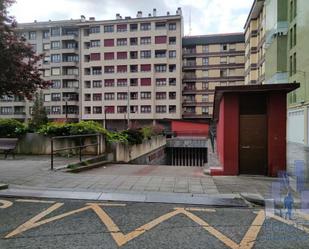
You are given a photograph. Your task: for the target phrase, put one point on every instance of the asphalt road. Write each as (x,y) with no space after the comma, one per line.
(75,224)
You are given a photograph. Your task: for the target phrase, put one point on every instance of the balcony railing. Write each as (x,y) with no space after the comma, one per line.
(189,64)
(189,76)
(189,51)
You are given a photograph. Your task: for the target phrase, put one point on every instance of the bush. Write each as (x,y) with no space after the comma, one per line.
(117,137)
(134,136)
(12,128)
(67,129)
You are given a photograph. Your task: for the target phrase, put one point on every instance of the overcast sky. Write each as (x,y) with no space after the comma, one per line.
(207,16)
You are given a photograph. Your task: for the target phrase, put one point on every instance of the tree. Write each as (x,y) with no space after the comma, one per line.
(39,115)
(19,72)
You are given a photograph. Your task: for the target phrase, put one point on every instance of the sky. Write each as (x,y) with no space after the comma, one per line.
(207,16)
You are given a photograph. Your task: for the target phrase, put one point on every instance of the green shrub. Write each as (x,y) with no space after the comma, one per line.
(12,128)
(147,132)
(117,137)
(134,136)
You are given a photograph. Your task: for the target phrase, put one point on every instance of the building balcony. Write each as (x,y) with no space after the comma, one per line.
(70,63)
(189,51)
(70,37)
(189,76)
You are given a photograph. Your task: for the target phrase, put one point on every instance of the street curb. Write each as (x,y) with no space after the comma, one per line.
(146,197)
(3,186)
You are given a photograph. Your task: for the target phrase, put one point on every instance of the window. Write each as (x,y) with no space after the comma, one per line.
(205,61)
(205,73)
(46,46)
(122,68)
(55,58)
(122,55)
(295,35)
(133,68)
(32,35)
(146,109)
(122,109)
(46,72)
(205,110)
(161,82)
(87,110)
(46,60)
(133,95)
(133,41)
(172,95)
(172,109)
(160,25)
(55,31)
(70,84)
(172,54)
(145,54)
(145,40)
(122,82)
(109,96)
(133,109)
(204,97)
(172,81)
(47,97)
(122,28)
(160,68)
(95,43)
(96,70)
(161,109)
(55,84)
(109,56)
(87,84)
(145,67)
(294,64)
(71,71)
(110,109)
(205,49)
(232,59)
(145,26)
(223,60)
(122,96)
(231,72)
(109,83)
(172,26)
(122,42)
(172,68)
(133,27)
(109,69)
(97,109)
(97,97)
(94,29)
(55,44)
(145,81)
(55,71)
(45,34)
(145,95)
(56,110)
(97,84)
(95,56)
(133,82)
(55,97)
(6,110)
(160,95)
(232,47)
(133,55)
(204,85)
(223,47)
(108,42)
(223,73)
(172,40)
(160,53)
(160,39)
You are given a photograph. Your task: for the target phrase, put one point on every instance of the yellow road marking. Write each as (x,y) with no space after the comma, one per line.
(249,239)
(200,209)
(5,204)
(228,242)
(34,201)
(107,204)
(121,238)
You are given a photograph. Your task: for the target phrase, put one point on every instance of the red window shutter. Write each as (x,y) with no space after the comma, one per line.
(146,82)
(108,42)
(95,56)
(122,68)
(109,109)
(122,55)
(109,56)
(146,67)
(160,39)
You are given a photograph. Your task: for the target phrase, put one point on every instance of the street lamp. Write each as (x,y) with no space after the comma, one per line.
(66,99)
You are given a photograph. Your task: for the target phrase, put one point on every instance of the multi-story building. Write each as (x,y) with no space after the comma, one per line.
(131,69)
(210,61)
(59,41)
(255,44)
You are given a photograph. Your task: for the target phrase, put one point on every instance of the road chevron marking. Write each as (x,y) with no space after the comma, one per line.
(121,239)
(5,204)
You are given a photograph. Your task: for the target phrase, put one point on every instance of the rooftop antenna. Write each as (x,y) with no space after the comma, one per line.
(190,27)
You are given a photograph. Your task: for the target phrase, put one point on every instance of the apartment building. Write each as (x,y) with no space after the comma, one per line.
(131,69)
(255,44)
(59,41)
(210,61)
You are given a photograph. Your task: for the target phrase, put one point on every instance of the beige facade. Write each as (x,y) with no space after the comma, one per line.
(59,41)
(131,69)
(255,44)
(210,61)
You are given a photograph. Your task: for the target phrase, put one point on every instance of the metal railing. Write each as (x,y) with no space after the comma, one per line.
(79,147)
